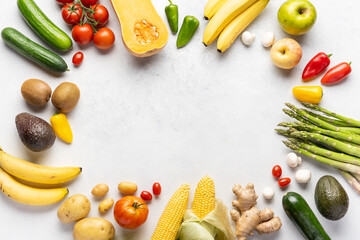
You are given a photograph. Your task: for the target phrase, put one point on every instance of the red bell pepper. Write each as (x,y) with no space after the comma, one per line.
(316,66)
(337,73)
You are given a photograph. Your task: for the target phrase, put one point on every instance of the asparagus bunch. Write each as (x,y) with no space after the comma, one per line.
(332,139)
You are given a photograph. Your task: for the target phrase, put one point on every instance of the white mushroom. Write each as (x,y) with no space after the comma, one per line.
(268,39)
(292,159)
(268,193)
(303,176)
(248,38)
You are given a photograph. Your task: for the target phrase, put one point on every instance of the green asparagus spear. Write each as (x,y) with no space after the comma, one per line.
(340,165)
(330,120)
(303,120)
(332,114)
(342,157)
(339,145)
(350,179)
(313,119)
(350,137)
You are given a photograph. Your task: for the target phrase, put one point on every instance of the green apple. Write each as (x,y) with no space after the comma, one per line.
(297,17)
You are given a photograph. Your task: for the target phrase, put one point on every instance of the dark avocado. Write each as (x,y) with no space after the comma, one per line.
(331,198)
(35,133)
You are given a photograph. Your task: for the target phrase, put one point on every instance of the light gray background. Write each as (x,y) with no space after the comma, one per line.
(178,116)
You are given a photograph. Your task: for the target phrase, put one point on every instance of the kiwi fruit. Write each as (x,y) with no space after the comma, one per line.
(66,96)
(36,92)
(35,133)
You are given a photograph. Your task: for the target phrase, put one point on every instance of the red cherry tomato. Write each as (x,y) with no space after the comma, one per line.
(156,189)
(283,182)
(88,3)
(63,2)
(82,34)
(277,171)
(72,13)
(100,14)
(78,58)
(130,212)
(146,195)
(104,38)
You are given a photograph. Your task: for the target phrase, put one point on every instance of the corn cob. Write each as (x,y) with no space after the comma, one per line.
(171,218)
(204,199)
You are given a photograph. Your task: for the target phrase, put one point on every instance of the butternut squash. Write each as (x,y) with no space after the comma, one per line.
(143,31)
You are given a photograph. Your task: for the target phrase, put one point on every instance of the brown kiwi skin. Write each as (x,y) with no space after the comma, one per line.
(35,133)
(36,92)
(66,96)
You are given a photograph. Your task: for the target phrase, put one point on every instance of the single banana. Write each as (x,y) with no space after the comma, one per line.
(28,195)
(236,26)
(211,7)
(226,13)
(36,173)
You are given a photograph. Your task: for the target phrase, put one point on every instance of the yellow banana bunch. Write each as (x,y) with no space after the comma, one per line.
(236,26)
(211,7)
(33,173)
(36,173)
(28,195)
(223,17)
(230,19)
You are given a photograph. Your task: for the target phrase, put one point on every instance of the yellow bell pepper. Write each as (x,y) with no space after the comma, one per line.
(309,94)
(61,127)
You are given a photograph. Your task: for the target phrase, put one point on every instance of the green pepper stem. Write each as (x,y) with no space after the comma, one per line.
(170,2)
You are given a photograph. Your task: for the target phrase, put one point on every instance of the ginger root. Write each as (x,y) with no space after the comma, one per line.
(247,217)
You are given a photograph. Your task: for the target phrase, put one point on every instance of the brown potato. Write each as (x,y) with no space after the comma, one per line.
(36,92)
(127,188)
(100,190)
(93,228)
(74,208)
(66,96)
(105,205)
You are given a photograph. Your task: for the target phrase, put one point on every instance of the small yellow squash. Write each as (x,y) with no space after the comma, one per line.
(143,31)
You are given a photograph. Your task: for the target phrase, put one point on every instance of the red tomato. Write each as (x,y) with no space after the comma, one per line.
(72,13)
(88,3)
(277,171)
(104,38)
(82,34)
(63,2)
(146,195)
(78,58)
(156,189)
(130,212)
(283,182)
(100,15)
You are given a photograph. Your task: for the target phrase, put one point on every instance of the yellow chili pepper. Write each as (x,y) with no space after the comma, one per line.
(309,94)
(61,127)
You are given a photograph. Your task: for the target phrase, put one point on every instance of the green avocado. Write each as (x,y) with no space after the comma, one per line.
(331,198)
(35,133)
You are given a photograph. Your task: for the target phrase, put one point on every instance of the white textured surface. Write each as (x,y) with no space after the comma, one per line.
(177,116)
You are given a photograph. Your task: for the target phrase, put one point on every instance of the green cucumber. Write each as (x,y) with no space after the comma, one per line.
(43,26)
(303,217)
(33,51)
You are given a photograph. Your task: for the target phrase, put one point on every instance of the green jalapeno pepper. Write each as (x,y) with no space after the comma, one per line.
(187,30)
(172,14)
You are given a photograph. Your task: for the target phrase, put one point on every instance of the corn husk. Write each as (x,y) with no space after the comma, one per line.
(214,226)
